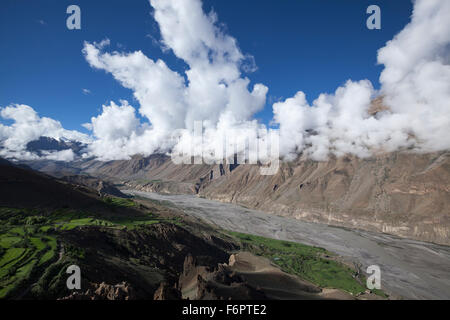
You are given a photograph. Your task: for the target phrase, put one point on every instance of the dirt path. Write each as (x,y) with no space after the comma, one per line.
(411,269)
(60,252)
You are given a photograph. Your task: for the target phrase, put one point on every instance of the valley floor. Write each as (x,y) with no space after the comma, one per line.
(409,268)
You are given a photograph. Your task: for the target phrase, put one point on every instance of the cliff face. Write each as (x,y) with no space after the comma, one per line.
(398,193)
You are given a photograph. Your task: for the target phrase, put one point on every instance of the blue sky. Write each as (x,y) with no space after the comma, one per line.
(313,46)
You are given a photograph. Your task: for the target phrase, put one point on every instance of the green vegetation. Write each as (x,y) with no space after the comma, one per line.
(164,203)
(7,242)
(310,263)
(119,202)
(69,225)
(380,293)
(29,246)
(11,255)
(18,231)
(74,252)
(23,250)
(49,254)
(146,181)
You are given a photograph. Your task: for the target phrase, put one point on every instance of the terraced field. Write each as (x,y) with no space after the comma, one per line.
(29,238)
(23,250)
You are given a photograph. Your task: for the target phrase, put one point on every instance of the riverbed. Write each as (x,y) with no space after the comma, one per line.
(409,268)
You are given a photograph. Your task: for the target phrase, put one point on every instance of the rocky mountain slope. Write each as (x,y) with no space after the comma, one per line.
(24,187)
(43,144)
(125,250)
(102,187)
(140,249)
(400,193)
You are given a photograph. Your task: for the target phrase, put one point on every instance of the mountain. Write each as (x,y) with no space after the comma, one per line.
(140,249)
(43,144)
(400,193)
(22,187)
(102,187)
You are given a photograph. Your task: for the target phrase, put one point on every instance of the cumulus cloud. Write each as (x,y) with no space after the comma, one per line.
(338,123)
(416,78)
(63,155)
(28,126)
(118,133)
(415,88)
(214,90)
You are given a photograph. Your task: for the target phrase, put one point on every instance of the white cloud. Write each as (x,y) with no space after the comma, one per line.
(86,91)
(215,90)
(63,155)
(416,78)
(27,126)
(415,86)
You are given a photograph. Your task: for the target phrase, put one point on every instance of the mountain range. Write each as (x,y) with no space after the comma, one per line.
(400,193)
(141,249)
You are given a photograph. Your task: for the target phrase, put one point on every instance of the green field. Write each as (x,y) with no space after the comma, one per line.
(28,237)
(21,255)
(120,202)
(50,253)
(310,263)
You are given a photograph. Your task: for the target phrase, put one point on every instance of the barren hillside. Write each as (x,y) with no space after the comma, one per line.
(402,194)
(399,193)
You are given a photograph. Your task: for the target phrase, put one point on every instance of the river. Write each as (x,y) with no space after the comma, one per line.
(409,268)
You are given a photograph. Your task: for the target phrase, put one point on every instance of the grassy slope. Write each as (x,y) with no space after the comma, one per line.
(310,263)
